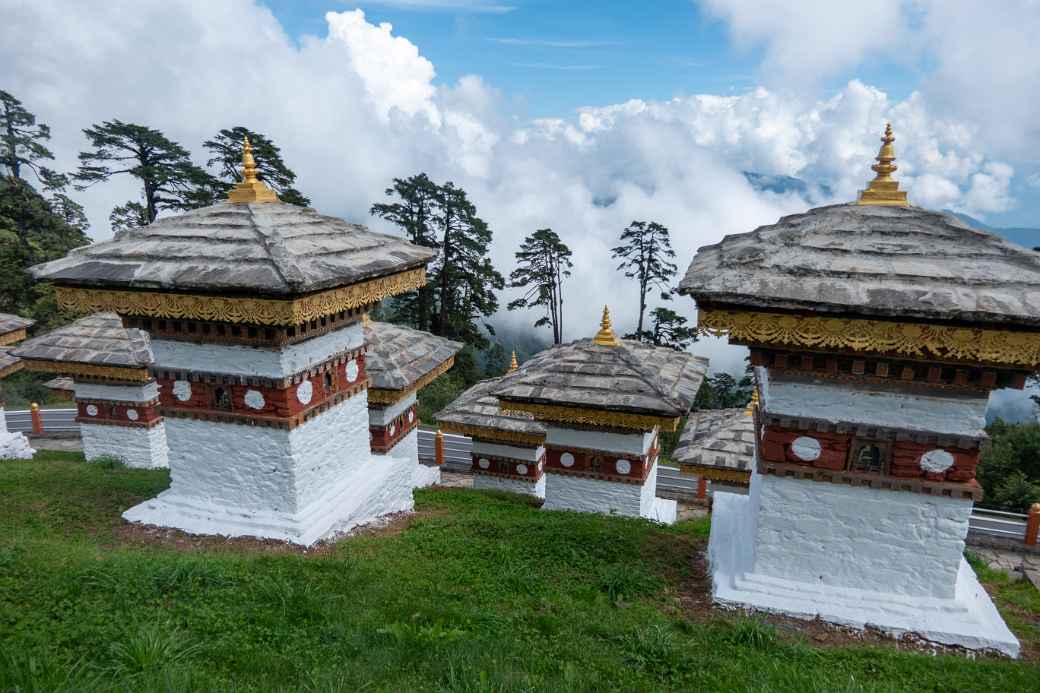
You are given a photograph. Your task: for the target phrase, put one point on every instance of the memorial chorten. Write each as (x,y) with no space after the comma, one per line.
(603,402)
(718,445)
(116,398)
(508,447)
(13,446)
(254,309)
(401,361)
(878,331)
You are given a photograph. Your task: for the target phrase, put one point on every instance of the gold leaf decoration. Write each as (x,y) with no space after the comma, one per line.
(254,311)
(87,370)
(1020,349)
(590,417)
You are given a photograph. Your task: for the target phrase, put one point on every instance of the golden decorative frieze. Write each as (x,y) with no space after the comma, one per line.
(254,311)
(496,434)
(383,396)
(736,476)
(12,337)
(1013,349)
(590,417)
(87,370)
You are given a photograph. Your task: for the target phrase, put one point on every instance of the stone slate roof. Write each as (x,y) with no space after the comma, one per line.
(98,339)
(7,359)
(268,248)
(397,357)
(633,378)
(12,323)
(719,439)
(60,383)
(877,261)
(477,406)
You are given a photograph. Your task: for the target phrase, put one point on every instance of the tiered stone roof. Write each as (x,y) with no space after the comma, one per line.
(630,378)
(401,358)
(718,444)
(99,340)
(866,260)
(264,248)
(476,412)
(9,363)
(13,323)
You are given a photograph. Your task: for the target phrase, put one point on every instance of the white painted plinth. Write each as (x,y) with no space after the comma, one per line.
(298,485)
(490,482)
(426,475)
(13,446)
(136,447)
(408,449)
(740,578)
(566,492)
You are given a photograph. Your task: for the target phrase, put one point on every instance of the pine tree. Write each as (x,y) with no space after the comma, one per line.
(226,155)
(21,138)
(646,255)
(415,212)
(667,329)
(169,179)
(463,277)
(127,216)
(542,262)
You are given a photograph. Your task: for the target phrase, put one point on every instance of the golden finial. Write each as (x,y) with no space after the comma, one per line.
(365,320)
(251,189)
(884,190)
(513,365)
(606,336)
(753,404)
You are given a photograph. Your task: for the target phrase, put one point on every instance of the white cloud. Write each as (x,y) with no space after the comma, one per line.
(549,43)
(358,107)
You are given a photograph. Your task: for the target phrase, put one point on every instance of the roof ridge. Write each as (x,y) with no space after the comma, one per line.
(647,377)
(267,245)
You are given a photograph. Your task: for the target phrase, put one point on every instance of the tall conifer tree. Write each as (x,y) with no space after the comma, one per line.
(542,263)
(646,255)
(21,138)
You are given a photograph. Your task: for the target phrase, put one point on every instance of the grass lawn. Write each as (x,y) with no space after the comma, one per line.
(476,592)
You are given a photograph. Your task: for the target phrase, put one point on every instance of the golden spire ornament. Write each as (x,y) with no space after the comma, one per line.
(884,190)
(513,365)
(605,336)
(251,188)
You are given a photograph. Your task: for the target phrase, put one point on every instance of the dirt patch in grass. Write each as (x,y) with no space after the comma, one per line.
(137,535)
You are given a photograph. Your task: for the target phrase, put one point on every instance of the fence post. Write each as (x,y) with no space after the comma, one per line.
(438,448)
(1033,524)
(37,420)
(702,488)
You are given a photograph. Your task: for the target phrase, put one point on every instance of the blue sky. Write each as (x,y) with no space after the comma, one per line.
(553,56)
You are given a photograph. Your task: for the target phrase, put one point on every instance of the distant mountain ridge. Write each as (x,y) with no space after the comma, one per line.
(1024,236)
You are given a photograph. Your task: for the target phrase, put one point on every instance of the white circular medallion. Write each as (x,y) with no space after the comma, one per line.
(182,390)
(131,414)
(352,370)
(623,466)
(304,392)
(393,429)
(521,469)
(567,459)
(936,461)
(806,448)
(254,399)
(484,463)
(411,416)
(91,410)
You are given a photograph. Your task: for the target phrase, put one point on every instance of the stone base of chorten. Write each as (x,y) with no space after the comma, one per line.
(492,482)
(408,449)
(426,475)
(15,446)
(379,487)
(571,492)
(967,619)
(136,447)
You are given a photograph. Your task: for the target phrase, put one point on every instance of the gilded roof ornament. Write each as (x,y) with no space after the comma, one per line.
(605,336)
(884,190)
(753,404)
(251,188)
(513,365)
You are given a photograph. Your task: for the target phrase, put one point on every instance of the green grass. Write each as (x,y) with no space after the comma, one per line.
(479,592)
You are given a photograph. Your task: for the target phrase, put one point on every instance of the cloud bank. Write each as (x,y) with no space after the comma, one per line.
(361,105)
